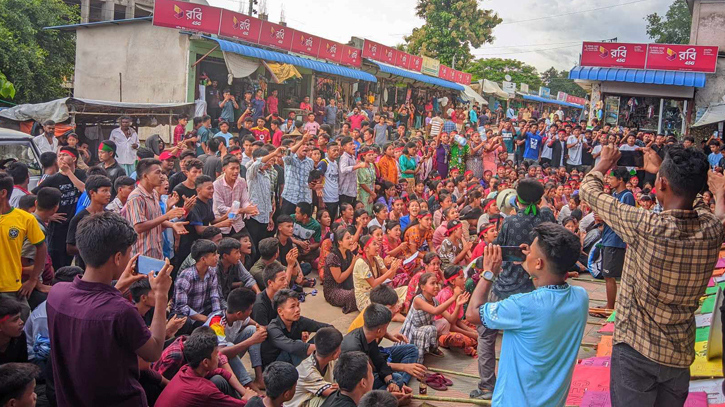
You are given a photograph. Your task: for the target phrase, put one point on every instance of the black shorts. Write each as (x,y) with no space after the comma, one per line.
(612,261)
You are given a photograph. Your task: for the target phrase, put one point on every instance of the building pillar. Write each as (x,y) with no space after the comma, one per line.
(85,11)
(108,7)
(130,9)
(594,100)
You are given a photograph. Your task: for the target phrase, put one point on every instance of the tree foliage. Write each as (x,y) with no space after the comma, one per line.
(496,69)
(35,60)
(7,89)
(558,81)
(451,28)
(674,28)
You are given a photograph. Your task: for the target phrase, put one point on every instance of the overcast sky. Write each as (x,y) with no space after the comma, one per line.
(552,35)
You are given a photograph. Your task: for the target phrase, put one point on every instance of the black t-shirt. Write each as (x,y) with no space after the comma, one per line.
(17,351)
(520,149)
(587,158)
(338,399)
(283,250)
(57,231)
(113,173)
(184,193)
(212,166)
(263,312)
(244,132)
(71,237)
(176,179)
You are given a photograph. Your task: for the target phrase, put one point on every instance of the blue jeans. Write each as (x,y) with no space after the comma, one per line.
(235,362)
(398,354)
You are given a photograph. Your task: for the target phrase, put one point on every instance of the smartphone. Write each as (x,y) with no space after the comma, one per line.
(512,253)
(631,159)
(146,265)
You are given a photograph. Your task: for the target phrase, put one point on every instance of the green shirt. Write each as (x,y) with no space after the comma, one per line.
(406,164)
(308,231)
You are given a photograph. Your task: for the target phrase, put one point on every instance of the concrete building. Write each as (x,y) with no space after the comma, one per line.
(708,20)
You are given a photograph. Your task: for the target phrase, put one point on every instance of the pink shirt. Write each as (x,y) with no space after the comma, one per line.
(272,105)
(444,295)
(224,197)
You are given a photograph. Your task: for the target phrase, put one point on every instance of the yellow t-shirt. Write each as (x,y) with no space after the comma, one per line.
(358,322)
(15,226)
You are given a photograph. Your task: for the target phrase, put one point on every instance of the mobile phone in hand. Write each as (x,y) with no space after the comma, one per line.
(146,265)
(512,253)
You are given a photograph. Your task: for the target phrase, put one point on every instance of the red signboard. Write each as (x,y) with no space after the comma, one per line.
(351,56)
(402,60)
(276,35)
(240,26)
(443,71)
(466,78)
(670,57)
(451,75)
(575,99)
(330,50)
(614,54)
(390,55)
(187,16)
(416,63)
(307,44)
(459,76)
(373,50)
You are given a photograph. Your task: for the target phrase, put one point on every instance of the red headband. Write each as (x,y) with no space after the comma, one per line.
(488,205)
(368,243)
(486,229)
(452,229)
(70,153)
(453,277)
(5,318)
(423,216)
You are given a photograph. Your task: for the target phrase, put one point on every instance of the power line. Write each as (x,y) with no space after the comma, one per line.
(529,45)
(573,12)
(529,51)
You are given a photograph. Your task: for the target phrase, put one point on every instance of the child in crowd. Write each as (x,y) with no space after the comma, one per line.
(13,347)
(315,381)
(17,384)
(413,210)
(280,379)
(370,271)
(380,216)
(338,285)
(460,334)
(418,326)
(455,249)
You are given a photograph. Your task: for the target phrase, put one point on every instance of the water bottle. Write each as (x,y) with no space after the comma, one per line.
(235,208)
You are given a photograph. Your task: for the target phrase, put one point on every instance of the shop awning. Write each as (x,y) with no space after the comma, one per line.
(492,88)
(471,95)
(417,76)
(715,113)
(324,67)
(554,101)
(648,76)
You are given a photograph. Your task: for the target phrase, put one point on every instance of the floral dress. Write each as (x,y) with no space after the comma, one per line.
(339,294)
(419,329)
(361,273)
(448,252)
(474,162)
(366,176)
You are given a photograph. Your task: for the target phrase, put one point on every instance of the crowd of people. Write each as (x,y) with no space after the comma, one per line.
(144,277)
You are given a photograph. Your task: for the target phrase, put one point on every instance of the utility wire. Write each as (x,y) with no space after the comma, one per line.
(573,12)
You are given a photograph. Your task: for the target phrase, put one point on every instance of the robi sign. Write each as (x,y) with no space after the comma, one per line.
(664,57)
(615,55)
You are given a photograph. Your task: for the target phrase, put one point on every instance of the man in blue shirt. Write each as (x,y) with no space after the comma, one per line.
(613,247)
(533,147)
(258,105)
(543,328)
(715,156)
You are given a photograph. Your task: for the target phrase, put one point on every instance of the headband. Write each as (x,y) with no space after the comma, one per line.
(105,147)
(368,243)
(453,277)
(453,228)
(5,318)
(399,149)
(70,153)
(486,229)
(488,205)
(423,216)
(531,208)
(468,172)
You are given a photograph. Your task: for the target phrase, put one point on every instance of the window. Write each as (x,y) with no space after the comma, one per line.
(22,151)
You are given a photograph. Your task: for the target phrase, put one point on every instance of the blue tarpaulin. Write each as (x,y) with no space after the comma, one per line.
(417,76)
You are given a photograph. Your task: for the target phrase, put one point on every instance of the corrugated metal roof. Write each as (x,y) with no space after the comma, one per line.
(248,51)
(417,76)
(649,76)
(554,101)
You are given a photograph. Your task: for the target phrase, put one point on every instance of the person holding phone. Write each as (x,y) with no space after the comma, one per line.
(531,348)
(513,279)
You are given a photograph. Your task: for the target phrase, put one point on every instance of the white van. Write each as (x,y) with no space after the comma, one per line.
(20,146)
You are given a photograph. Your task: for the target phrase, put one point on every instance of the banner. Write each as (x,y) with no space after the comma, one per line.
(402,60)
(430,66)
(576,100)
(276,35)
(695,58)
(443,71)
(466,78)
(544,92)
(561,96)
(524,87)
(306,44)
(614,54)
(187,16)
(240,26)
(330,50)
(459,77)
(416,63)
(509,87)
(351,56)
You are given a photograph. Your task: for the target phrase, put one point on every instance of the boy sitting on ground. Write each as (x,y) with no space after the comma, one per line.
(196,291)
(13,347)
(201,381)
(354,376)
(315,383)
(284,341)
(280,379)
(17,384)
(238,333)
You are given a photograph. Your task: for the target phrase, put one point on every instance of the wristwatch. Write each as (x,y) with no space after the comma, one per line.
(488,275)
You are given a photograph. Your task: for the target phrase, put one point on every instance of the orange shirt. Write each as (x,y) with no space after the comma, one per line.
(388,169)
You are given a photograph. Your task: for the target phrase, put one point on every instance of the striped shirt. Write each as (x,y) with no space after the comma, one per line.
(436,125)
(143,206)
(348,177)
(194,293)
(296,174)
(260,190)
(224,197)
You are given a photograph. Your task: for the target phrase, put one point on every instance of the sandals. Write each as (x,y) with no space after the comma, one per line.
(436,352)
(437,381)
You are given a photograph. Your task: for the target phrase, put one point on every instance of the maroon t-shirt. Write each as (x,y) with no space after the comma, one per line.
(94,335)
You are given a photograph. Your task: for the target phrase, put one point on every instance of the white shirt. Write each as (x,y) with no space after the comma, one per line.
(575,153)
(560,113)
(42,143)
(126,154)
(597,150)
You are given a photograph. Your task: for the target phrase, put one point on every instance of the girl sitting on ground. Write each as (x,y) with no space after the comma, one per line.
(419,327)
(380,213)
(454,250)
(369,272)
(338,286)
(431,264)
(461,334)
(419,235)
(398,209)
(413,210)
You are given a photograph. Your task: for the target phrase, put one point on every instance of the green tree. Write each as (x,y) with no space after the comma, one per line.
(674,28)
(558,81)
(451,28)
(7,89)
(496,69)
(35,60)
